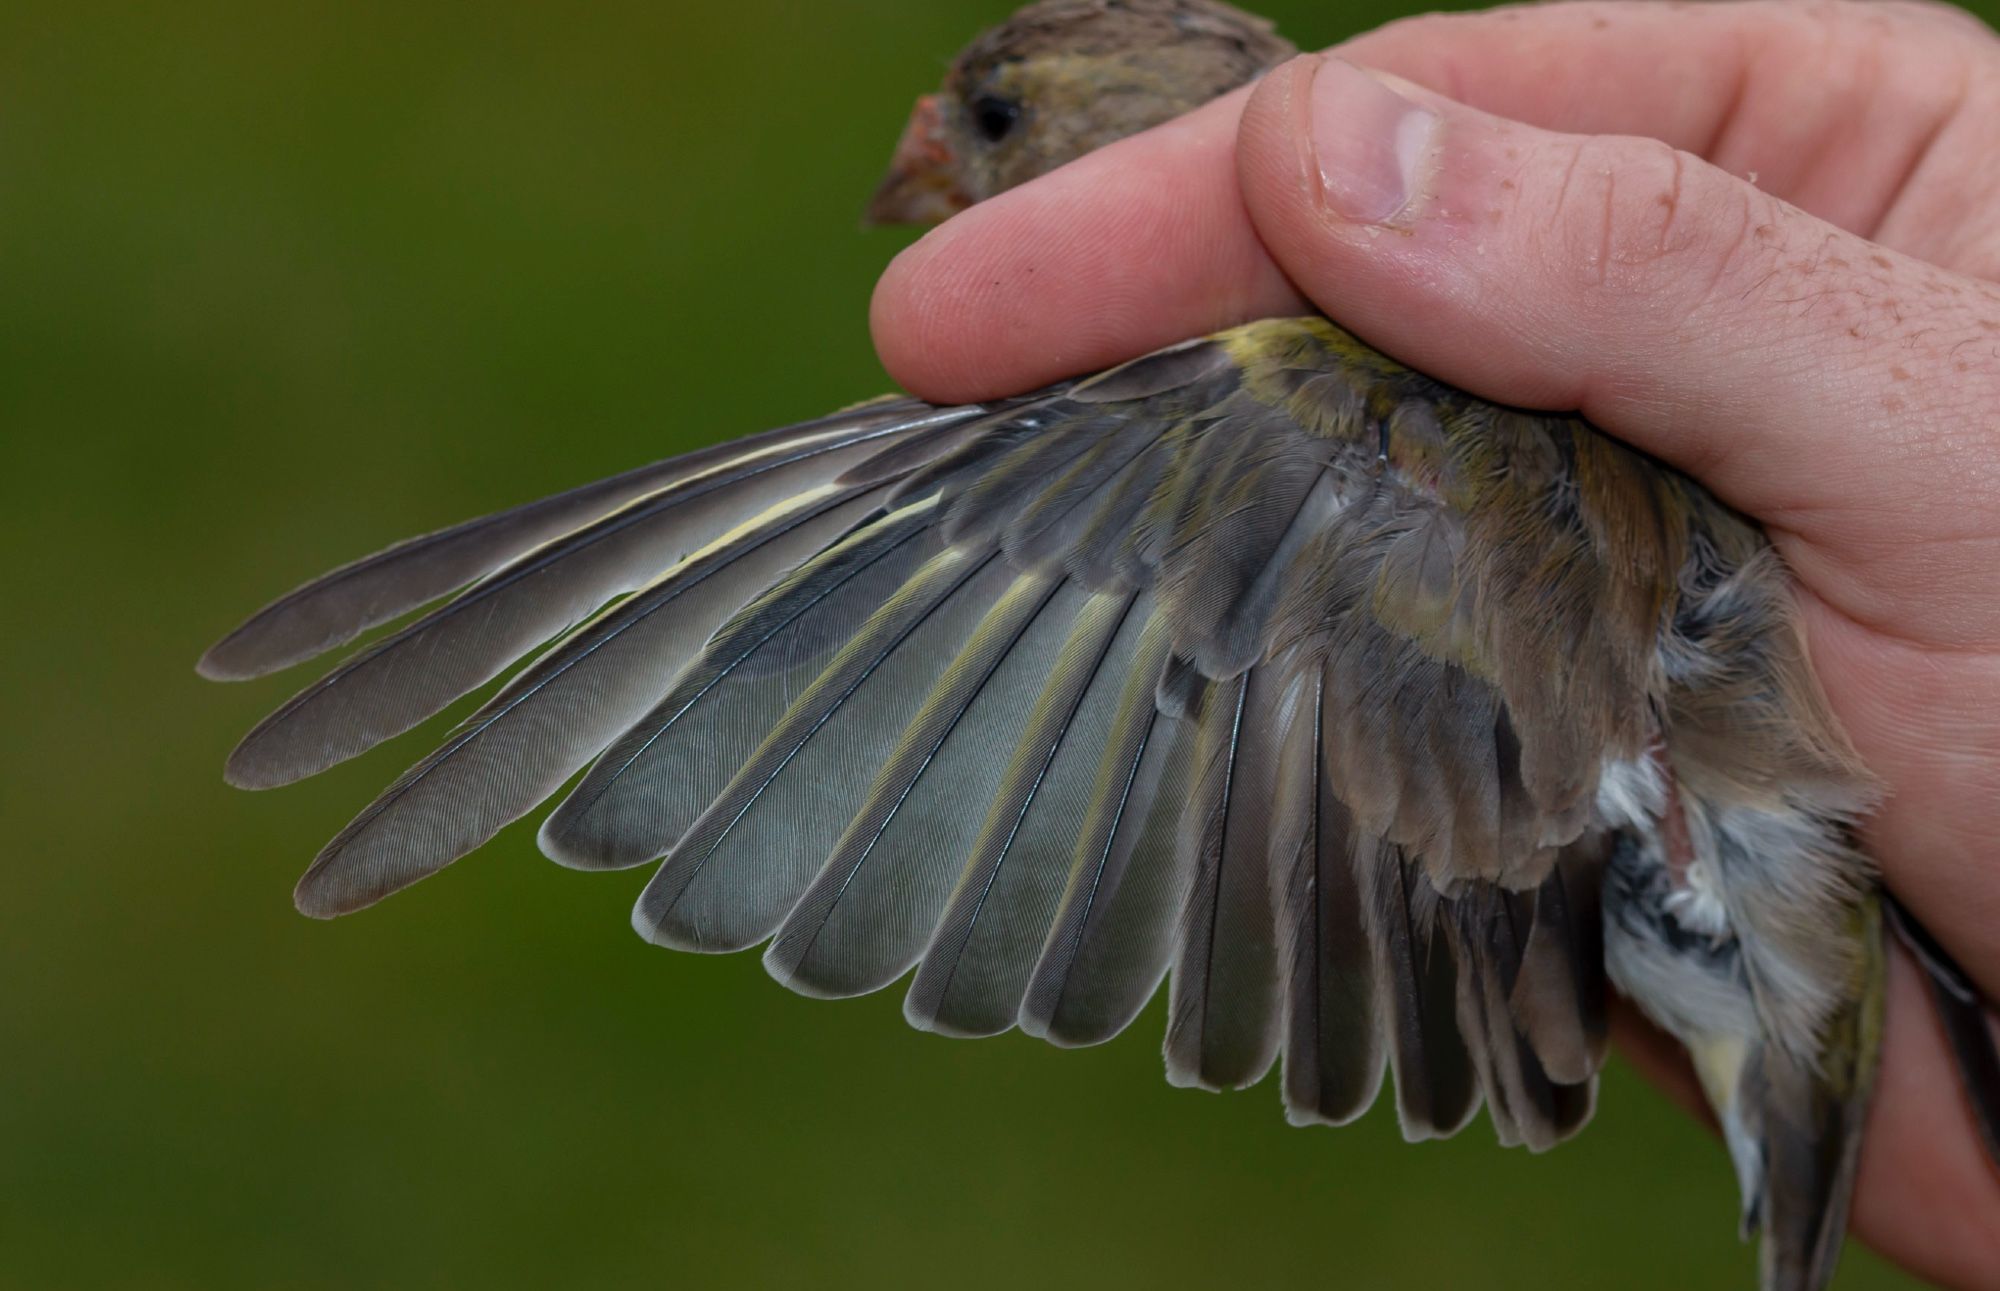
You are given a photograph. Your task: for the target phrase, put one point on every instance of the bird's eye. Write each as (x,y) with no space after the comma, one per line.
(994,117)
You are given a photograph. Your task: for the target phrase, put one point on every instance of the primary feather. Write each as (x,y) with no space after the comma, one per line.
(397,682)
(343,603)
(1169,670)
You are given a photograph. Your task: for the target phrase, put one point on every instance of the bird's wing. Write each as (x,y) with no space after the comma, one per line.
(1261,662)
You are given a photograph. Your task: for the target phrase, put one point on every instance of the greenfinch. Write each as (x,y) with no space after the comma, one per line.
(1389,725)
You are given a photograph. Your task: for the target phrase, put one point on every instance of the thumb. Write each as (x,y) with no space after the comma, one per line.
(1812,378)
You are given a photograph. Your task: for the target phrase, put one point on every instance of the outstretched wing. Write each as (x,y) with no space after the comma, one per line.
(1261,662)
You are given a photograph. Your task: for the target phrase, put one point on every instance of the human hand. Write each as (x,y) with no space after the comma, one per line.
(1762,247)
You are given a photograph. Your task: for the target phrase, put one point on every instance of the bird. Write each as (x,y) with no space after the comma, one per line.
(1389,727)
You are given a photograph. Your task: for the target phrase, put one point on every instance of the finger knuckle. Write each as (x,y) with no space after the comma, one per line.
(1634,215)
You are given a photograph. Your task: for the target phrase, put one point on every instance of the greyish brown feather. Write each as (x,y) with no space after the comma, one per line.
(745,861)
(976,972)
(1334,1051)
(1489,927)
(519,748)
(645,790)
(872,908)
(339,605)
(1111,938)
(1559,998)
(399,681)
(1223,1007)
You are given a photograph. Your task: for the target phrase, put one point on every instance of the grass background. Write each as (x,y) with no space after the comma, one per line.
(279,283)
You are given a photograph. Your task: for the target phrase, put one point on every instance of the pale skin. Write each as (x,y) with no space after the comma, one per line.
(1760,241)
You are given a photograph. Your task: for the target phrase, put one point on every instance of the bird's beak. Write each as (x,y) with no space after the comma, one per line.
(921,186)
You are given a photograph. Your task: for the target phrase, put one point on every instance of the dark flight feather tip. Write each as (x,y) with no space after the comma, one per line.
(1112,936)
(978,970)
(1223,1000)
(343,603)
(412,674)
(520,746)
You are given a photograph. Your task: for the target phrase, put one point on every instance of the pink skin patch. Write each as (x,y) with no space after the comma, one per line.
(1676,843)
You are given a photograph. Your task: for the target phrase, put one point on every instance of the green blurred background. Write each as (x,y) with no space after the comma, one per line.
(282,282)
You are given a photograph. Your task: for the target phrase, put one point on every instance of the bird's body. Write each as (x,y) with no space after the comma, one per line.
(1385,720)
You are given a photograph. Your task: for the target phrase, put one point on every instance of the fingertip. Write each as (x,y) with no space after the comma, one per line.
(1004,298)
(966,313)
(1138,246)
(906,341)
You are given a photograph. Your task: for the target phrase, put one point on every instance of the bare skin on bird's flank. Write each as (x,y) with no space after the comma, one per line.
(1387,723)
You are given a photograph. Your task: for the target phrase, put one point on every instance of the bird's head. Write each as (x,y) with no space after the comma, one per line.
(1058,79)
